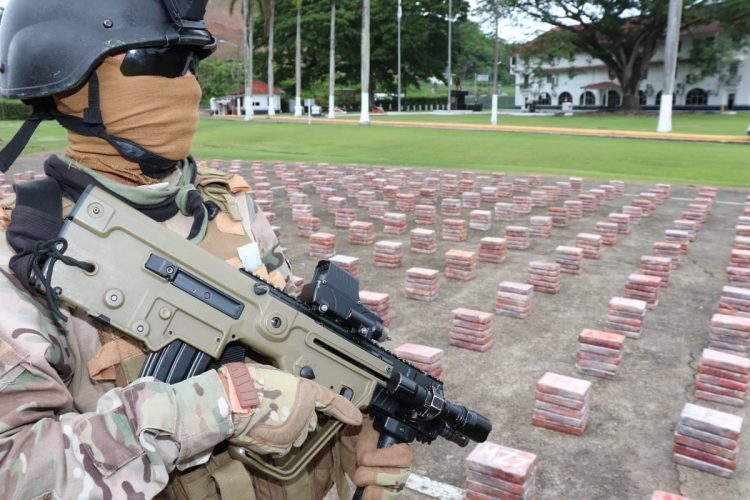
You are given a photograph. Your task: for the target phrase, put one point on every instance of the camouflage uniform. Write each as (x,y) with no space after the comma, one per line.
(96,440)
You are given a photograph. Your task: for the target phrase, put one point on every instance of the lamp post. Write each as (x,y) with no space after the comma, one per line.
(450,43)
(398,44)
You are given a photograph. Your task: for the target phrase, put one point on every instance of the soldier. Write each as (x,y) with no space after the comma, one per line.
(75,421)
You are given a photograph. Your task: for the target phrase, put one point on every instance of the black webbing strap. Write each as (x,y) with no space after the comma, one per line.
(36,217)
(15,147)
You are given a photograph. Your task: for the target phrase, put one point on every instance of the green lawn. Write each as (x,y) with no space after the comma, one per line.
(678,162)
(691,123)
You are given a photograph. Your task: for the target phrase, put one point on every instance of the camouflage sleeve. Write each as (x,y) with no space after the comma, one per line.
(124,449)
(276,263)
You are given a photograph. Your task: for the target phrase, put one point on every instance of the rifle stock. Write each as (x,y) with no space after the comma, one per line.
(177,298)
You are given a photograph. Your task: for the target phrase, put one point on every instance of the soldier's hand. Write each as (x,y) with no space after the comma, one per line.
(383,472)
(284,410)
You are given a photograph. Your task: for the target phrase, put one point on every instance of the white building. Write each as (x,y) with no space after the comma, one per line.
(588,84)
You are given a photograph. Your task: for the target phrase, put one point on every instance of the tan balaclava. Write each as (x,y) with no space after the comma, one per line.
(157,113)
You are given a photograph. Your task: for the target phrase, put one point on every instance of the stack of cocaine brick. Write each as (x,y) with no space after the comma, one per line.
(301,210)
(390,192)
(682,238)
(643,287)
(599,353)
(520,185)
(347,263)
(455,230)
(460,265)
(591,244)
(522,204)
(538,198)
(740,258)
(742,242)
(552,192)
(742,229)
(425,215)
(625,316)
(663,495)
(600,196)
(378,209)
(644,204)
(489,194)
(514,299)
(619,187)
(562,403)
(471,200)
(699,216)
(422,284)
(564,188)
(450,206)
(730,334)
(504,190)
(575,208)
(334,203)
(517,237)
(622,221)
(495,471)
(492,250)
(306,226)
(689,226)
(545,276)
(651,197)
(722,378)
(344,217)
(569,259)
(361,233)
(405,202)
(423,241)
(480,220)
(298,198)
(707,440)
(394,223)
(735,301)
(738,276)
(635,213)
(588,201)
(379,303)
(609,191)
(576,183)
(388,254)
(322,245)
(559,216)
(426,358)
(666,190)
(608,232)
(670,250)
(504,211)
(541,226)
(364,198)
(535,180)
(660,267)
(428,196)
(471,329)
(498,177)
(448,189)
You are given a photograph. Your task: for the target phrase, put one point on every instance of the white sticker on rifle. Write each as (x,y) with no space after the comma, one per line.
(250,256)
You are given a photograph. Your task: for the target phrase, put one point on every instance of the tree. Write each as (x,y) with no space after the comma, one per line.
(623,34)
(332,63)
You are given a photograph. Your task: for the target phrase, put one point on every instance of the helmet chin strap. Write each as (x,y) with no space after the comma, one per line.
(91,125)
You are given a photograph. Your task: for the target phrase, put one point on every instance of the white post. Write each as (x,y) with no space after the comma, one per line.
(670,65)
(271,96)
(364,115)
(298,66)
(450,43)
(493,117)
(496,62)
(398,43)
(248,47)
(332,64)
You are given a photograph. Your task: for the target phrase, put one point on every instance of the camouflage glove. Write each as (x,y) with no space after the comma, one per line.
(274,410)
(383,472)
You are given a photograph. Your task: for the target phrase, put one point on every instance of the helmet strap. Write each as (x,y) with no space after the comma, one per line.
(14,148)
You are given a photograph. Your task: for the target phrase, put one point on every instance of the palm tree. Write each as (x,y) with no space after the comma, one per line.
(248,8)
(298,61)
(364,118)
(332,63)
(493,116)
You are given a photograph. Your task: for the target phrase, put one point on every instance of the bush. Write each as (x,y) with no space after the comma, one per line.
(13,110)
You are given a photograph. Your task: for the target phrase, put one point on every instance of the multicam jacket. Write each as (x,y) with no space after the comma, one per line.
(64,435)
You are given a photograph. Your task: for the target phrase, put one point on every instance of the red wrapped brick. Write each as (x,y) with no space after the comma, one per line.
(735,301)
(661,267)
(706,439)
(541,226)
(514,299)
(427,359)
(545,276)
(493,250)
(394,223)
(517,237)
(625,316)
(455,230)
(480,220)
(591,245)
(471,329)
(422,284)
(569,259)
(388,254)
(460,265)
(599,353)
(347,263)
(322,245)
(561,417)
(643,287)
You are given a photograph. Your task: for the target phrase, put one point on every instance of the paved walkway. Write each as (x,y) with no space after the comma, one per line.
(620,134)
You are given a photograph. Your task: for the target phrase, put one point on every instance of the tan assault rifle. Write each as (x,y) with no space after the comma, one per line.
(188,307)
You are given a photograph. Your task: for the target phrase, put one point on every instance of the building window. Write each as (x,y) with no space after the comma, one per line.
(658,98)
(551,79)
(565,97)
(588,99)
(525,81)
(734,69)
(613,99)
(544,99)
(641,98)
(696,97)
(645,73)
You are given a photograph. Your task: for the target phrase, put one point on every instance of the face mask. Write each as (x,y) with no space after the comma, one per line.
(160,114)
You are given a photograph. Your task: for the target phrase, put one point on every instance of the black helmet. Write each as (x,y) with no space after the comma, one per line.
(52,46)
